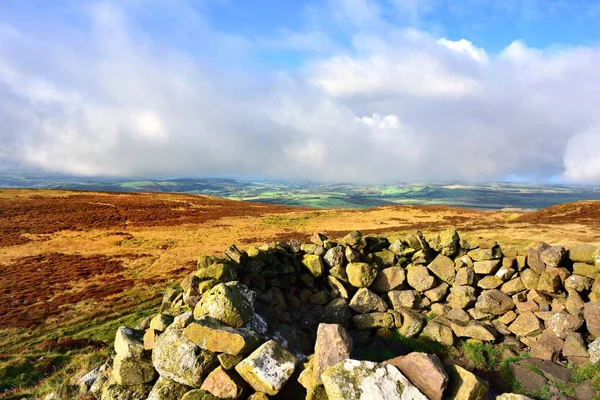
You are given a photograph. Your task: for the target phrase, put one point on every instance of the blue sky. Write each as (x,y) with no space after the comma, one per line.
(324,90)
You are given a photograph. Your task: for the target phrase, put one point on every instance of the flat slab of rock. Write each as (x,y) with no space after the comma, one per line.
(268,368)
(360,380)
(494,302)
(425,371)
(333,345)
(211,334)
(529,380)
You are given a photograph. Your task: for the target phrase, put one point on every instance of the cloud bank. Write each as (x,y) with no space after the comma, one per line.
(368,100)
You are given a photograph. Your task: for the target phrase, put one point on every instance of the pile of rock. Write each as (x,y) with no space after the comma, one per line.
(294,320)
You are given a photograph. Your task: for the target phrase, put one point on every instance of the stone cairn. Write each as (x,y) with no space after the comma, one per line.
(291,321)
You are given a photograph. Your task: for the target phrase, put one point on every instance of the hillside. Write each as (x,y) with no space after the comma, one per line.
(76,265)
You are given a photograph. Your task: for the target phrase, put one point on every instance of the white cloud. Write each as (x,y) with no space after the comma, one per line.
(381,103)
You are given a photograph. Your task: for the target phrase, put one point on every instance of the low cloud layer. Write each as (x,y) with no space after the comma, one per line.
(370,102)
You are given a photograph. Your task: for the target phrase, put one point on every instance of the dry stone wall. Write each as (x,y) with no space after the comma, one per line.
(327,320)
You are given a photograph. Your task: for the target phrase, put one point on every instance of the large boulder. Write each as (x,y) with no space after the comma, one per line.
(425,371)
(356,380)
(231,303)
(178,358)
(268,368)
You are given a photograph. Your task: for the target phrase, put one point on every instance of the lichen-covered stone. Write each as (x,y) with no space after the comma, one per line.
(179,359)
(465,385)
(403,299)
(418,277)
(461,297)
(230,303)
(335,257)
(373,320)
(562,324)
(473,330)
(219,272)
(486,267)
(389,279)
(314,264)
(443,267)
(438,332)
(198,394)
(364,301)
(268,368)
(211,334)
(494,302)
(583,253)
(526,324)
(114,391)
(129,343)
(361,380)
(490,282)
(133,371)
(412,323)
(166,389)
(361,275)
(160,322)
(438,293)
(513,287)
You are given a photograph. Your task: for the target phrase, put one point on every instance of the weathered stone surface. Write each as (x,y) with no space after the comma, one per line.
(587,270)
(486,267)
(356,380)
(373,320)
(166,389)
(473,330)
(584,253)
(513,286)
(425,371)
(526,324)
(438,332)
(389,279)
(443,267)
(335,257)
(412,323)
(512,396)
(490,282)
(211,334)
(132,371)
(198,394)
(403,299)
(114,391)
(219,272)
(579,283)
(224,384)
(230,303)
(129,343)
(179,359)
(361,275)
(314,264)
(385,258)
(229,361)
(333,345)
(585,390)
(591,313)
(268,368)
(438,293)
(562,324)
(534,261)
(464,276)
(549,282)
(550,370)
(528,379)
(464,385)
(485,254)
(364,301)
(547,347)
(574,346)
(553,256)
(160,322)
(594,351)
(418,277)
(494,302)
(447,243)
(459,315)
(461,296)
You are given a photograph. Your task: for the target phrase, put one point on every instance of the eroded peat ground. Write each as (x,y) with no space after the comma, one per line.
(74,265)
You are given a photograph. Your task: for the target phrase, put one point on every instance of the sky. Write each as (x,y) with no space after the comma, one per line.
(362,91)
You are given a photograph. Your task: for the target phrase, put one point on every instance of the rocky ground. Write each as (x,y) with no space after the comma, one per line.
(367,317)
